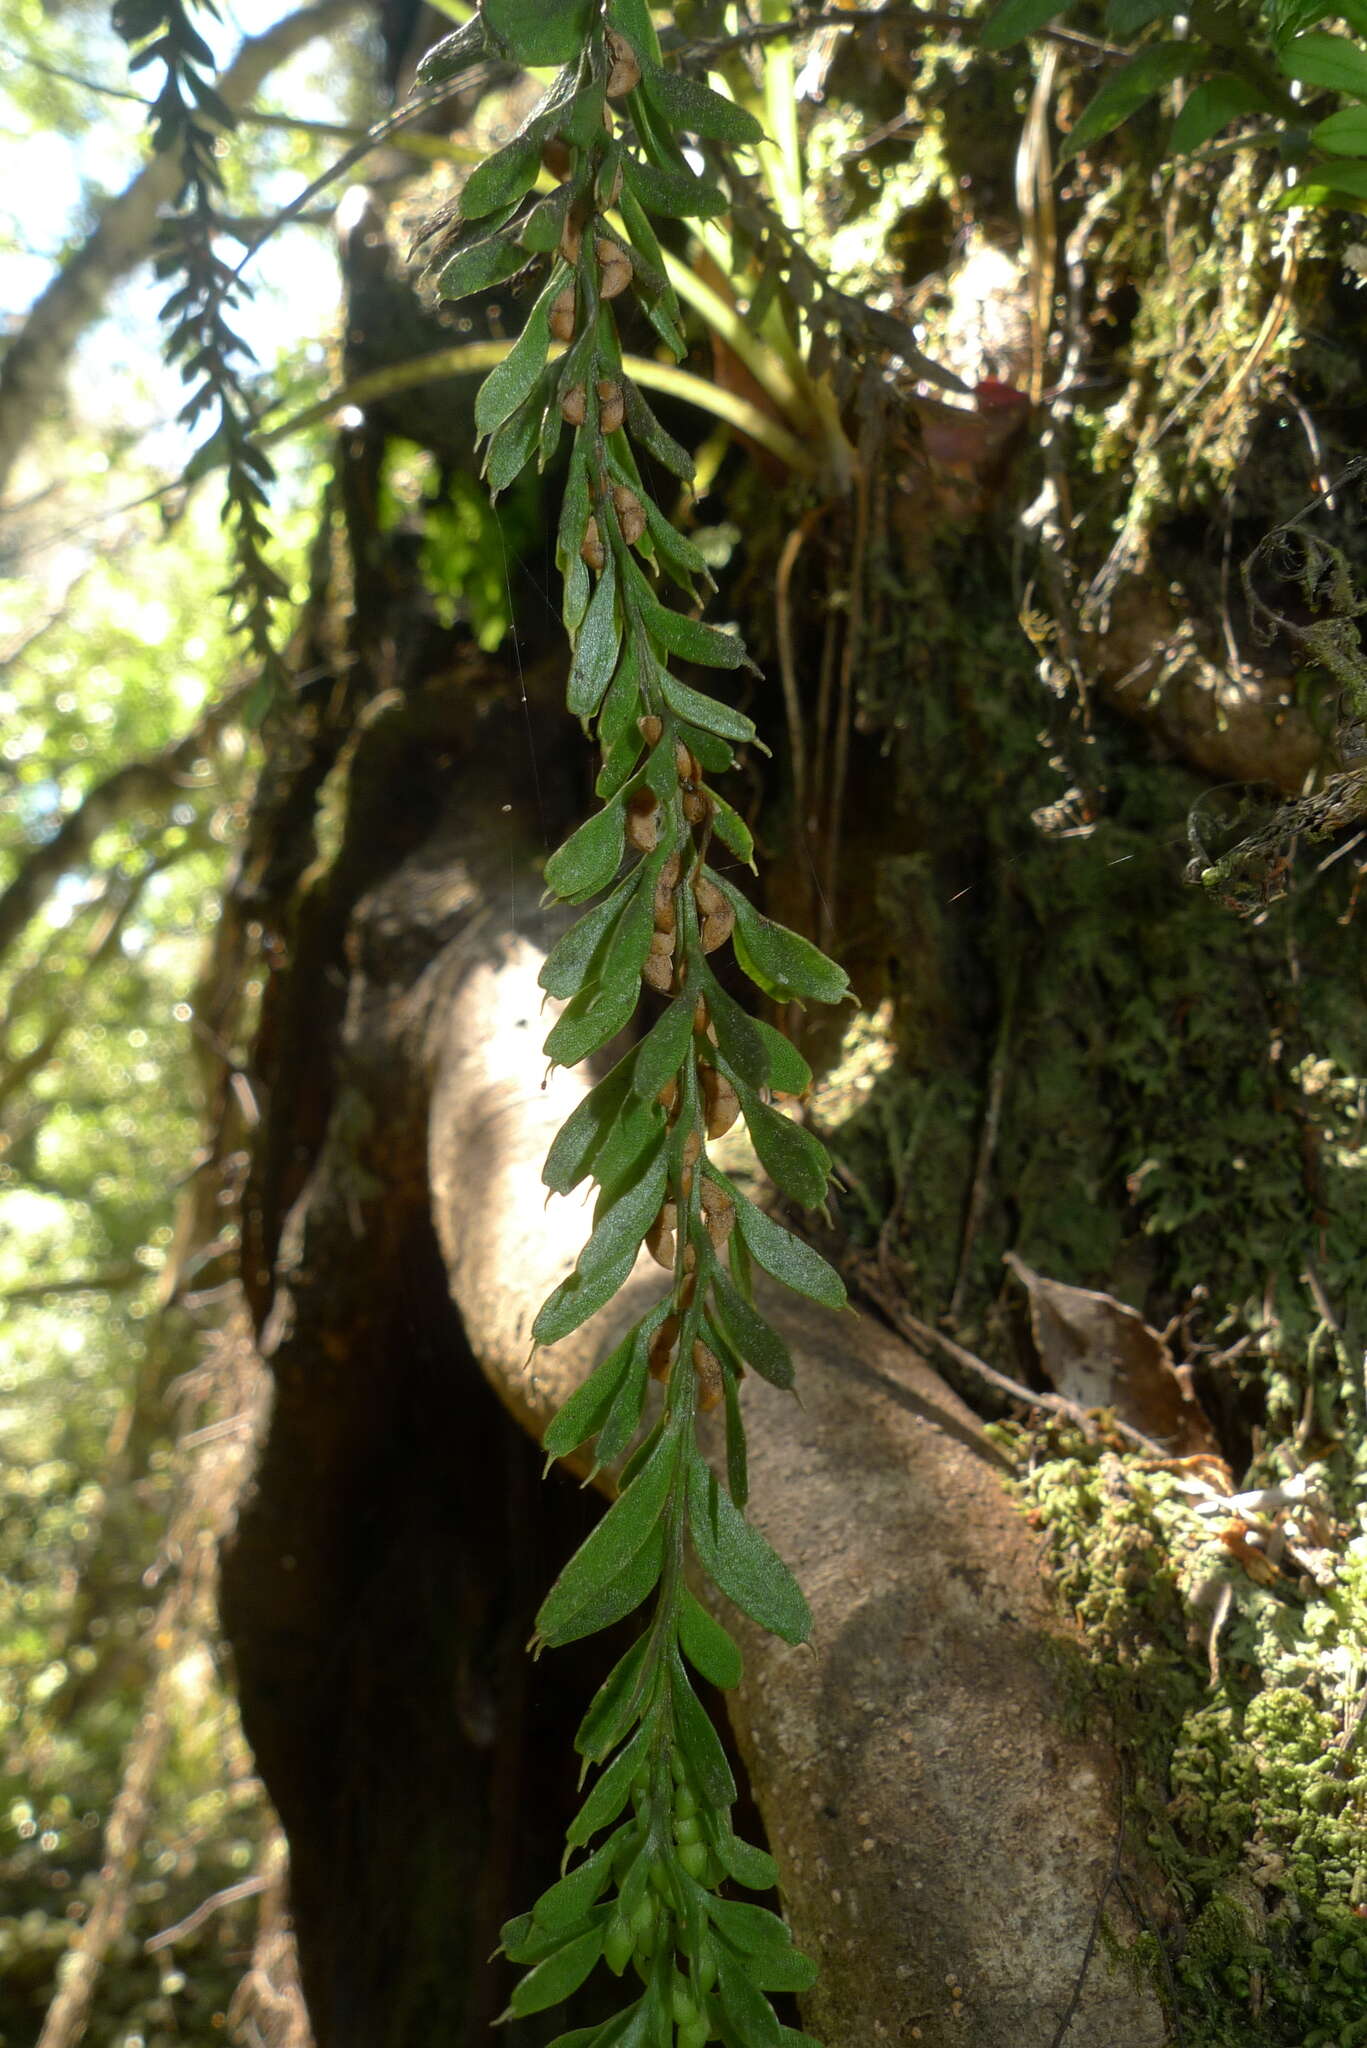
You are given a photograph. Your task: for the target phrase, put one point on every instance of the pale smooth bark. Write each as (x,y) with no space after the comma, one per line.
(945,1845)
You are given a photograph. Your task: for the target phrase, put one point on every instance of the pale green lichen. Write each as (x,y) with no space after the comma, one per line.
(1231,1702)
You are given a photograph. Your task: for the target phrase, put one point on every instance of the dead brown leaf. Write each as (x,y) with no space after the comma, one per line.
(1102,1354)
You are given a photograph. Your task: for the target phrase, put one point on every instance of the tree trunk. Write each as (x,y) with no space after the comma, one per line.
(945,1843)
(1051,1022)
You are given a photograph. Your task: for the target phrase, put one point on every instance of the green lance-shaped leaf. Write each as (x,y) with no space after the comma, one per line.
(453,54)
(513,445)
(619,764)
(577,1298)
(599,1012)
(788,1071)
(609,1563)
(687,104)
(710,1649)
(624,1417)
(590,857)
(1212,106)
(732,830)
(544,226)
(738,1038)
(566,1902)
(616,1706)
(1330,61)
(662,1051)
(1016,19)
(714,753)
(757,1342)
(622,705)
(610,1791)
(647,431)
(698,1740)
(752,1867)
(738,1560)
(1343,134)
(538,32)
(1125,18)
(782,963)
(679,195)
(748,2010)
(552,1981)
(1326,185)
(501,178)
(596,647)
(786,1257)
(570,962)
(588,1407)
(513,380)
(1124,91)
(783,1970)
(574,515)
(662,309)
(584,1130)
(704,711)
(689,638)
(523,1941)
(628,1216)
(737,1445)
(479,265)
(621,1158)
(794,1160)
(754,1930)
(676,552)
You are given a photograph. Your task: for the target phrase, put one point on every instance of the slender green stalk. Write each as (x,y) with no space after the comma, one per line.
(657,1849)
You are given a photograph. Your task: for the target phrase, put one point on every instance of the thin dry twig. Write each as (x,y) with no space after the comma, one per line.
(911,1327)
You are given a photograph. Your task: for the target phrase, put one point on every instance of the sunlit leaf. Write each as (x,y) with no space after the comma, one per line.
(786,1257)
(1016,19)
(1126,90)
(1329,61)
(688,104)
(591,856)
(738,1560)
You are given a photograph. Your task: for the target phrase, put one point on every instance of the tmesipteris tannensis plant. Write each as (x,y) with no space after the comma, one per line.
(653,1840)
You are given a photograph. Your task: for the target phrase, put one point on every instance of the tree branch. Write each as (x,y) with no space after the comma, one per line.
(36,358)
(137,784)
